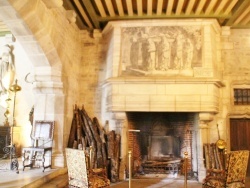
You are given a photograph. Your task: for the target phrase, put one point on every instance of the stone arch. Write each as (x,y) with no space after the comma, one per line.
(25,21)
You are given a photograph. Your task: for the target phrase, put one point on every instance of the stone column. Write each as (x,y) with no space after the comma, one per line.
(121,127)
(203,137)
(49,97)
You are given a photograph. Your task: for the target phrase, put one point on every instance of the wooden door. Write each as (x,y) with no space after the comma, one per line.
(240,136)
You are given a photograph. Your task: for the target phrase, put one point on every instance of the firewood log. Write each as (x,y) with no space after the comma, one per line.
(88,123)
(72,134)
(113,153)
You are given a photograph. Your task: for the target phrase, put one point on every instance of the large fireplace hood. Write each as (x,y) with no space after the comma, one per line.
(142,77)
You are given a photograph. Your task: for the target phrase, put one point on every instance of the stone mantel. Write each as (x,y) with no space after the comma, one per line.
(164,80)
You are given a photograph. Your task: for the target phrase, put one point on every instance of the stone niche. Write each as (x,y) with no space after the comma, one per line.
(161,66)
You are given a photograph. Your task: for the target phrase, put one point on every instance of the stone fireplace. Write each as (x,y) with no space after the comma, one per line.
(158,140)
(162,87)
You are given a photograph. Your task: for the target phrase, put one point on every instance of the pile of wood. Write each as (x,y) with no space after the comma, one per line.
(87,133)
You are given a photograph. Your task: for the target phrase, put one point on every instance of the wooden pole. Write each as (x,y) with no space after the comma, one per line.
(185,168)
(129,166)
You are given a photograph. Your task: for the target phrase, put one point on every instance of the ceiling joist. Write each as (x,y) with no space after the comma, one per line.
(97,13)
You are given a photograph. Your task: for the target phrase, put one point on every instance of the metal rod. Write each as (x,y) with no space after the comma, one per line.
(133,130)
(185,169)
(129,166)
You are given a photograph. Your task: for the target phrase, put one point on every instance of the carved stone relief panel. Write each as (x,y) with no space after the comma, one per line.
(160,50)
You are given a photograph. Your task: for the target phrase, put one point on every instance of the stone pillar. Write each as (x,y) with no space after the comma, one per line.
(204,119)
(121,127)
(49,97)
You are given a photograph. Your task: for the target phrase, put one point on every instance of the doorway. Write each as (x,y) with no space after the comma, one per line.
(240,136)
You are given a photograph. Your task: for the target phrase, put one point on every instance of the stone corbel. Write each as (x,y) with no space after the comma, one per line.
(71,16)
(47,81)
(205,118)
(119,116)
(119,120)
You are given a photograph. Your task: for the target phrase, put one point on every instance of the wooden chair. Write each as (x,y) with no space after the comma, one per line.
(80,175)
(234,175)
(42,141)
(215,159)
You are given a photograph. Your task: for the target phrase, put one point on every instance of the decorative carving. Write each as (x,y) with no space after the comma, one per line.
(7,69)
(155,50)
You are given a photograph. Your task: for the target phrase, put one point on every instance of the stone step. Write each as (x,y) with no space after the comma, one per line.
(57,178)
(60,181)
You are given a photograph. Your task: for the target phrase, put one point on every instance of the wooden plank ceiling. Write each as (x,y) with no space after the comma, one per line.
(95,14)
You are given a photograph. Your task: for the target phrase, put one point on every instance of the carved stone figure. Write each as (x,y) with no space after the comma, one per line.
(7,69)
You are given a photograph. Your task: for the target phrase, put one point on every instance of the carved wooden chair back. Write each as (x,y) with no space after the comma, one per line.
(78,173)
(42,133)
(235,174)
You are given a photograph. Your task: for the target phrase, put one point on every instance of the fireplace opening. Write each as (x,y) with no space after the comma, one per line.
(158,140)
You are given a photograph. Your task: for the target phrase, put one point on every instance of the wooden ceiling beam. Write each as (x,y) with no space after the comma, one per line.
(84,15)
(100,8)
(190,7)
(210,6)
(200,7)
(242,15)
(92,13)
(230,6)
(221,6)
(149,7)
(159,7)
(130,7)
(237,11)
(246,20)
(110,7)
(163,16)
(139,7)
(120,7)
(169,7)
(179,7)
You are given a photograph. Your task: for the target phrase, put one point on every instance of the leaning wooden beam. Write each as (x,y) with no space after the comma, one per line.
(102,141)
(94,129)
(88,123)
(113,153)
(72,134)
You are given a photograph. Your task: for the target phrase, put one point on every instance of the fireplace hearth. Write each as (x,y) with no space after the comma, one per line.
(160,141)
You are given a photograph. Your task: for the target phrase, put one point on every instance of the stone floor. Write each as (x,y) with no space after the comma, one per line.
(52,178)
(157,181)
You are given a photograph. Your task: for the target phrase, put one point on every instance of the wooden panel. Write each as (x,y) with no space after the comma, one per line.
(239,136)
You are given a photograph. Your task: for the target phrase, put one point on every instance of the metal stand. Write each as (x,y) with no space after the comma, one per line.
(10,150)
(9,158)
